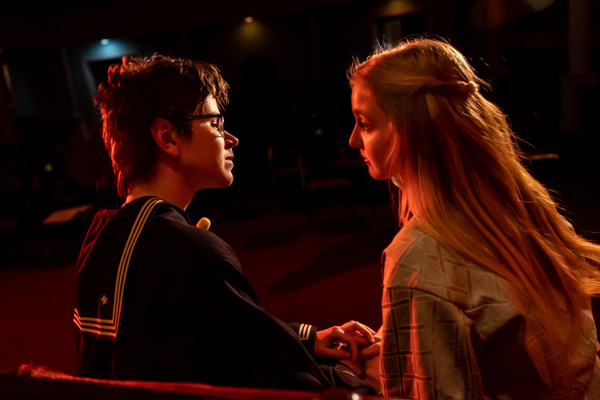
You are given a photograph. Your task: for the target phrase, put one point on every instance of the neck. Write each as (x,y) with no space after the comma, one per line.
(165,184)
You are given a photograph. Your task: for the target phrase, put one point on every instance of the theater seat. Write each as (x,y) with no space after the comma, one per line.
(30,382)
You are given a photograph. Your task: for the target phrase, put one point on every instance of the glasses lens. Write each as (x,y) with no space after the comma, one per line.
(222,125)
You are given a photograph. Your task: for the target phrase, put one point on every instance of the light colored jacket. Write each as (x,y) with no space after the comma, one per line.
(453,330)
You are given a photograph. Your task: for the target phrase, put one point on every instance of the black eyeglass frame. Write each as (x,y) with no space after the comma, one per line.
(221,118)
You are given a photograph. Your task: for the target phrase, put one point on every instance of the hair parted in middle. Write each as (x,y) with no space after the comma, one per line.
(138,92)
(462,179)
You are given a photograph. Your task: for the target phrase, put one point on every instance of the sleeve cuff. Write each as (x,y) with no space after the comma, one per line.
(307,335)
(307,332)
(345,369)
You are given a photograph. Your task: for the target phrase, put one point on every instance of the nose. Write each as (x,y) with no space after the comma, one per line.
(355,139)
(230,140)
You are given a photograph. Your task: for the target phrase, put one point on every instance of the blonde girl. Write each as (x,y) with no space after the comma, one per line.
(486,287)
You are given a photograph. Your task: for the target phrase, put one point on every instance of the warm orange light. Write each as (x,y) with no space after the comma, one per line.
(248,19)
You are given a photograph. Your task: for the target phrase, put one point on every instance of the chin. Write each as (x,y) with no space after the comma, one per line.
(379,176)
(217,182)
(226,182)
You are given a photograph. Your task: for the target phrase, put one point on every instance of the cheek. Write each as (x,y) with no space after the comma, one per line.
(212,149)
(380,151)
(380,148)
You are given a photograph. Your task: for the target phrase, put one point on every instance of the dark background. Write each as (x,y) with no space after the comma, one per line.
(287,70)
(303,215)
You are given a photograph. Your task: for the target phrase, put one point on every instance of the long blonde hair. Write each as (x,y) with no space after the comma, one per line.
(462,180)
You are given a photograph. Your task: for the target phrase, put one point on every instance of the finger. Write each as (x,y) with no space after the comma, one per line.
(348,339)
(353,350)
(335,353)
(363,329)
(357,338)
(351,343)
(358,324)
(369,352)
(372,350)
(362,341)
(351,340)
(355,333)
(331,334)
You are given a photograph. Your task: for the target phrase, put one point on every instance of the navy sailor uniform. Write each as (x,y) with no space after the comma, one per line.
(159,299)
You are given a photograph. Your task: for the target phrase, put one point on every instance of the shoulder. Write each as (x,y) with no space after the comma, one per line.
(419,269)
(407,248)
(174,227)
(417,261)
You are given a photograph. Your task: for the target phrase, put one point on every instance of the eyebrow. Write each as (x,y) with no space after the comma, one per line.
(215,115)
(362,113)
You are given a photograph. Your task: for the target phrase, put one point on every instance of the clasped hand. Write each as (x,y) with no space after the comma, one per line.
(356,345)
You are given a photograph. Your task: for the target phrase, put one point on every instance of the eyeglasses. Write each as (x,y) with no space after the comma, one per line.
(220,120)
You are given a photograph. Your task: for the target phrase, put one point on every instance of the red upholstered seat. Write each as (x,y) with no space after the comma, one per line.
(38,382)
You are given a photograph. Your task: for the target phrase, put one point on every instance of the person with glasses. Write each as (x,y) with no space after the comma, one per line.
(158,298)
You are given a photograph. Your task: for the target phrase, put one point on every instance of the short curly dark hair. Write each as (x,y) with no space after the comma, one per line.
(136,93)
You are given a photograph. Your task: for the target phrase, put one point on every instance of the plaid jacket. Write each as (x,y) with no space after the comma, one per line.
(452,330)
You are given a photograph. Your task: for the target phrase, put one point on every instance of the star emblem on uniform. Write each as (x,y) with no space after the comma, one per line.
(104,299)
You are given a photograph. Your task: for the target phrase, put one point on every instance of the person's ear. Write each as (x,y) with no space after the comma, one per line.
(163,133)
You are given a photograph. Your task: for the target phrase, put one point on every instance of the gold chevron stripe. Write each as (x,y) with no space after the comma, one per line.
(304,331)
(104,326)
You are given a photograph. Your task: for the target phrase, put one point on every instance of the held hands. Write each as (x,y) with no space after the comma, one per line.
(344,342)
(367,365)
(353,342)
(357,346)
(369,357)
